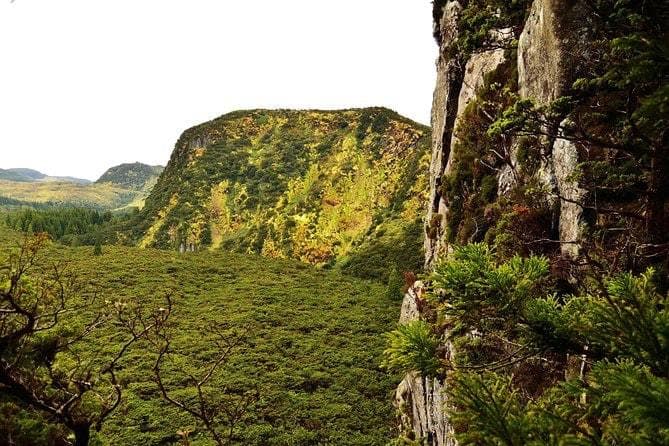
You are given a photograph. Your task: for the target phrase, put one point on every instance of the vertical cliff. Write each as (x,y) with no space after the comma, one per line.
(529,156)
(543,62)
(548,64)
(420,399)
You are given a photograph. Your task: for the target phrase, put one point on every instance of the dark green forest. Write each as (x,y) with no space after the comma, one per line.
(70,226)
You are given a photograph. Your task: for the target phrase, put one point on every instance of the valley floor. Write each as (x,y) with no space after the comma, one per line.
(311,349)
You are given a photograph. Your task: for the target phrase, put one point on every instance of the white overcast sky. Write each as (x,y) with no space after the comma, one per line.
(87,84)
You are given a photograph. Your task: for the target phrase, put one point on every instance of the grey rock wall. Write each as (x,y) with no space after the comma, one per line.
(450,73)
(552,50)
(457,83)
(421,400)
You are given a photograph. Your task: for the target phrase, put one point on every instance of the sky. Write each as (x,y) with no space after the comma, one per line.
(89,84)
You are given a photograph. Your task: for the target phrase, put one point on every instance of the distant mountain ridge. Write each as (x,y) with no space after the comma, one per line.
(120,187)
(25,175)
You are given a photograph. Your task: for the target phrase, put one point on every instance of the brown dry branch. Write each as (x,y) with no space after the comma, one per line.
(38,292)
(218,418)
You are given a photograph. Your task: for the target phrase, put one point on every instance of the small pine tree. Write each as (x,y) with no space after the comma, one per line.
(97,249)
(395,284)
(412,347)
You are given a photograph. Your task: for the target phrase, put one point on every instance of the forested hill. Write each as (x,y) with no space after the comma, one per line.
(325,187)
(134,176)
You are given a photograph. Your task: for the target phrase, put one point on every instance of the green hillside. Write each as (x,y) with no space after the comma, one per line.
(11,204)
(324,187)
(311,351)
(31,175)
(133,176)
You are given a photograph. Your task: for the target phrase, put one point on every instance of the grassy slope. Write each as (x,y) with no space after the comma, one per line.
(321,187)
(313,349)
(120,187)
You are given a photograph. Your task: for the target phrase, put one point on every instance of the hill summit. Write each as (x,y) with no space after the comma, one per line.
(133,176)
(326,187)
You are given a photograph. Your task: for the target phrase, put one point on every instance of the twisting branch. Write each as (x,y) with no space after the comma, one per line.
(33,302)
(211,415)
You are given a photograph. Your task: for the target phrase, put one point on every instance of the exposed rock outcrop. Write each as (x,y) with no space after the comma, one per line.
(450,76)
(552,49)
(455,89)
(550,55)
(565,160)
(420,400)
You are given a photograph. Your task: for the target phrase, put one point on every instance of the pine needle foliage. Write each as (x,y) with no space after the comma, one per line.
(632,322)
(478,293)
(510,336)
(490,410)
(412,347)
(620,395)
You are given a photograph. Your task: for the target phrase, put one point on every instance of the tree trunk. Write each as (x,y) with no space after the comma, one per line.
(82,435)
(659,183)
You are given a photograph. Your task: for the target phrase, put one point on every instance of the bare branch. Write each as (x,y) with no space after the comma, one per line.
(204,409)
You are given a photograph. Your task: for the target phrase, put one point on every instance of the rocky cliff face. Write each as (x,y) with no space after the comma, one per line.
(444,113)
(549,61)
(418,399)
(539,63)
(549,55)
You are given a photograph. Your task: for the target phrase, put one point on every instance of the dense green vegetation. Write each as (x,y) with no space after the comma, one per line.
(538,346)
(70,226)
(514,340)
(310,347)
(133,176)
(11,204)
(339,188)
(65,193)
